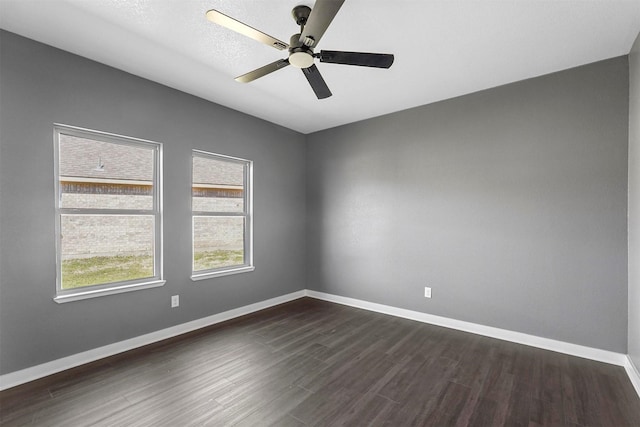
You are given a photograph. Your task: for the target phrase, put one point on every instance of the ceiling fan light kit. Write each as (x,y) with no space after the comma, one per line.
(300,55)
(313,24)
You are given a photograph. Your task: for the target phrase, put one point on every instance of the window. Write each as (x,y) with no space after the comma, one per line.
(221,201)
(108,213)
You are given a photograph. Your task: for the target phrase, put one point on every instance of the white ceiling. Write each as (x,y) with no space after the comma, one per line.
(442,49)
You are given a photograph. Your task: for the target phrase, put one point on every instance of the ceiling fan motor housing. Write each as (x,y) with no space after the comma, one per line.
(300,55)
(301,14)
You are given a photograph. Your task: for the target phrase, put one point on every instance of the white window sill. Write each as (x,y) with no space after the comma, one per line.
(210,274)
(80,295)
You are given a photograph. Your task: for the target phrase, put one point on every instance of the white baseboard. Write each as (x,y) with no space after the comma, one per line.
(33,373)
(40,371)
(489,331)
(632,372)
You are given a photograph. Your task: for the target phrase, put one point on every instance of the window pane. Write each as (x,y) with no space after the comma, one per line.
(104,175)
(218,186)
(99,249)
(217,242)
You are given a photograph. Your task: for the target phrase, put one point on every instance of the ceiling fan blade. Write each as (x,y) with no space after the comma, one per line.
(239,27)
(262,71)
(377,60)
(317,82)
(321,16)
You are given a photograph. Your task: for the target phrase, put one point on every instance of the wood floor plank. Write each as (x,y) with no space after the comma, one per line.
(323,406)
(543,412)
(287,421)
(271,414)
(369,410)
(398,387)
(519,405)
(486,412)
(314,363)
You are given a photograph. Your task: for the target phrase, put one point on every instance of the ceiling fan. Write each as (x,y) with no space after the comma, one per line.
(313,24)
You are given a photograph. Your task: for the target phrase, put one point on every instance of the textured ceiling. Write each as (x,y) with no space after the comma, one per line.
(442,49)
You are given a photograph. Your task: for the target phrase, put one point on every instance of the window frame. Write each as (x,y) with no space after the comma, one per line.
(247,214)
(92,291)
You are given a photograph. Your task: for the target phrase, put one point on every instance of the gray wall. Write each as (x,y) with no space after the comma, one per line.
(40,85)
(510,203)
(634,203)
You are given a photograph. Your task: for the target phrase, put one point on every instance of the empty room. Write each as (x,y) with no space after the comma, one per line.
(208,217)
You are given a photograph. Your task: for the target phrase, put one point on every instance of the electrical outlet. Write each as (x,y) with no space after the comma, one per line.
(175,301)
(427,292)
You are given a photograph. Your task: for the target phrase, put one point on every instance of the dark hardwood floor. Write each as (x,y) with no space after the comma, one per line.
(309,362)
